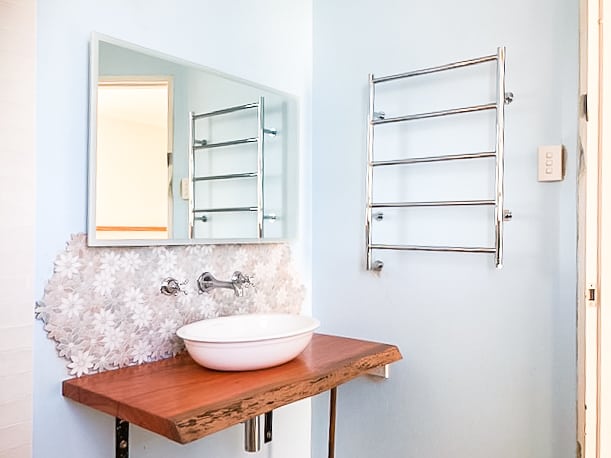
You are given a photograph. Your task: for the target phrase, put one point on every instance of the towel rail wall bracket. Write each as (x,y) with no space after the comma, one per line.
(379,117)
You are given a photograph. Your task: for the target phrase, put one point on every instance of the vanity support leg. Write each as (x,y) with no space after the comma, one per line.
(332,416)
(267,428)
(121,438)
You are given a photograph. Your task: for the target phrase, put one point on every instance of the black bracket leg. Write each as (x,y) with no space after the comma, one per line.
(332,418)
(267,428)
(121,438)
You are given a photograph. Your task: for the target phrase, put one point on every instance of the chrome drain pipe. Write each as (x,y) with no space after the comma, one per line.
(252,435)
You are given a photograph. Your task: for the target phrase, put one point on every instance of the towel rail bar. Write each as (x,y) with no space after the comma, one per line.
(436,114)
(440,68)
(438,203)
(246,106)
(447,157)
(379,246)
(227,143)
(225,209)
(228,176)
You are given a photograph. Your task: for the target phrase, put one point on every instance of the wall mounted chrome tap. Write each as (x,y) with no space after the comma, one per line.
(206,282)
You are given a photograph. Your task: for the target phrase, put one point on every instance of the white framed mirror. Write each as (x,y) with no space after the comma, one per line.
(182,154)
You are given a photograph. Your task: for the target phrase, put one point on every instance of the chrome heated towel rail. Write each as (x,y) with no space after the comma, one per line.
(375,119)
(197,145)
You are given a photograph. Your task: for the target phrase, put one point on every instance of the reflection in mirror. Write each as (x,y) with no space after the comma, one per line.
(133,135)
(183,154)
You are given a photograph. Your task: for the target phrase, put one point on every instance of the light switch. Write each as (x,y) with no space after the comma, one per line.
(551,163)
(184,188)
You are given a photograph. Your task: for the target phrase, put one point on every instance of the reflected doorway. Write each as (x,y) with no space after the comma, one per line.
(134,158)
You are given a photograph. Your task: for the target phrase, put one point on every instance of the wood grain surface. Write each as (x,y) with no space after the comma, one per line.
(183,401)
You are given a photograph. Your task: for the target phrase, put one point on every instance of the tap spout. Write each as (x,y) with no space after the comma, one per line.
(207,282)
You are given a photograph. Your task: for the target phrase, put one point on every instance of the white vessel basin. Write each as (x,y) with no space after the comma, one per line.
(247,342)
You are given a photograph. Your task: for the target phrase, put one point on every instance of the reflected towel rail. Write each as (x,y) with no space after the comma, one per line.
(227,143)
(375,119)
(226,110)
(225,209)
(228,176)
(197,145)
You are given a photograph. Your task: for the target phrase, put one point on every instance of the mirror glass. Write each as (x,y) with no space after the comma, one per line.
(180,153)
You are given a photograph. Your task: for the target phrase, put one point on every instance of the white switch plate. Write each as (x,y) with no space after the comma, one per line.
(551,163)
(184,188)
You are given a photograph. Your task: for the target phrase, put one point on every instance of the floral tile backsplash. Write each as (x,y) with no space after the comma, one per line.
(104,309)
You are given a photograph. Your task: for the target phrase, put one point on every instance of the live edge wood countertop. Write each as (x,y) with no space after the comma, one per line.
(183,401)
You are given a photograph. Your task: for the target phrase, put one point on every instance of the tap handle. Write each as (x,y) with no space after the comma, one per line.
(242,280)
(171,287)
(239,282)
(239,277)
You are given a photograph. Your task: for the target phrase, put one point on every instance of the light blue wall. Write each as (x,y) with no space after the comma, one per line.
(269,42)
(489,356)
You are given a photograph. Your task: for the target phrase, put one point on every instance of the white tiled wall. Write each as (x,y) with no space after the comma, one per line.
(17,180)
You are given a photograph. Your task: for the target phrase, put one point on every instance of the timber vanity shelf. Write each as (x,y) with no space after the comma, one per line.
(184,401)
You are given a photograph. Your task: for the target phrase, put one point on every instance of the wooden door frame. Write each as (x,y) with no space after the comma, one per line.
(594,229)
